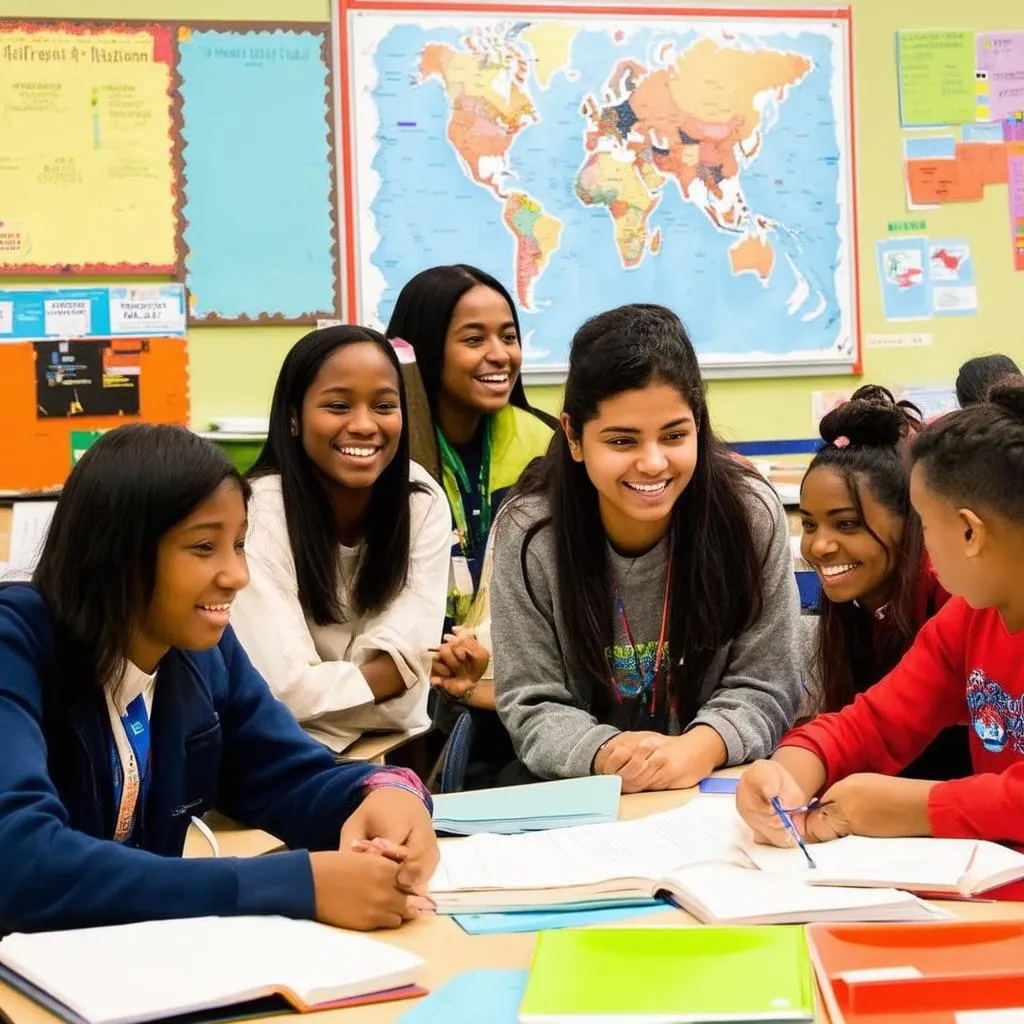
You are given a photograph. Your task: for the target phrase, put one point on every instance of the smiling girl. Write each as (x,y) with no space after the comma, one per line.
(967,486)
(644,607)
(864,540)
(127,706)
(463,327)
(348,544)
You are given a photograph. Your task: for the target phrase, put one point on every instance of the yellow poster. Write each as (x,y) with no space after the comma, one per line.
(87,170)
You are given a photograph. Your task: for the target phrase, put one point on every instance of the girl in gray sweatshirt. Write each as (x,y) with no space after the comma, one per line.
(644,610)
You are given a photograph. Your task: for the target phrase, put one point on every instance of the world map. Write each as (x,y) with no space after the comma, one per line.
(698,163)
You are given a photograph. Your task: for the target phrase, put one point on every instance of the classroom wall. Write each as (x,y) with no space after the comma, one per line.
(233,368)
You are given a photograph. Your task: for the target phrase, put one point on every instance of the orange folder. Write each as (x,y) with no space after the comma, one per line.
(918,973)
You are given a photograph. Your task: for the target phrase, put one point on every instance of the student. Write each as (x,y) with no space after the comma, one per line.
(967,485)
(463,327)
(127,706)
(977,375)
(643,606)
(864,541)
(348,544)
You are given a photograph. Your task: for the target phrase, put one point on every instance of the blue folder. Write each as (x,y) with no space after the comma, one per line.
(588,801)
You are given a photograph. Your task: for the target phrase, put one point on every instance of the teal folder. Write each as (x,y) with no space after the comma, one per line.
(587,801)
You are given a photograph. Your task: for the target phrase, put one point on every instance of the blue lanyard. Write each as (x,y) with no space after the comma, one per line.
(135,722)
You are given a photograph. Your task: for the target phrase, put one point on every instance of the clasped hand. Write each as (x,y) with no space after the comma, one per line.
(380,874)
(459,663)
(651,760)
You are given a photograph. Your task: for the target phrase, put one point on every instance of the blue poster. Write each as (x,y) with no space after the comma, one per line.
(901,271)
(258,174)
(137,311)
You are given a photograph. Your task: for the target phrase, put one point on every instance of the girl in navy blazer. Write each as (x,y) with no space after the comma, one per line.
(127,707)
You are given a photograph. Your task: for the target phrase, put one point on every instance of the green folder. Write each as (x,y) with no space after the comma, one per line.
(670,976)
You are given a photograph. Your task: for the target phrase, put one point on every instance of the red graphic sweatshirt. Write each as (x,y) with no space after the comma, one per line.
(964,666)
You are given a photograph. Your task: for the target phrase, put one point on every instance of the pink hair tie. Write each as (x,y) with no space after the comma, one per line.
(842,441)
(405,352)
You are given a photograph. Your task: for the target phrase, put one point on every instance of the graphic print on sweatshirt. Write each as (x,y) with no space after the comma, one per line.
(996,718)
(623,661)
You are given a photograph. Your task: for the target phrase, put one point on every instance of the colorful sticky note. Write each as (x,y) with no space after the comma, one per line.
(991,132)
(81,441)
(937,77)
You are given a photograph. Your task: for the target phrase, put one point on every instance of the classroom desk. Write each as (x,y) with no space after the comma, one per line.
(447,950)
(373,747)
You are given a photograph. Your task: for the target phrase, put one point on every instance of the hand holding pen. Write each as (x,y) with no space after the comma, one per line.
(764,785)
(787,823)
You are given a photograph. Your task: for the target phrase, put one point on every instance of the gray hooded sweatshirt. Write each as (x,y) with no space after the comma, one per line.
(749,695)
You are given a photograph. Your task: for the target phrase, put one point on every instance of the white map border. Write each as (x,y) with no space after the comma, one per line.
(367,28)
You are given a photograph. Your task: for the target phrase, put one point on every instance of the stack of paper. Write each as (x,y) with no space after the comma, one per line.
(586,801)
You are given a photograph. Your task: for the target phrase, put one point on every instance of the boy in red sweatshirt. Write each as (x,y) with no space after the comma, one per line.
(967,664)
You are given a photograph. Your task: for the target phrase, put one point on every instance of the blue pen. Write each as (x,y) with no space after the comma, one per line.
(787,822)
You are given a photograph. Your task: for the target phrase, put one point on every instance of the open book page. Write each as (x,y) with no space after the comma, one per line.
(179,966)
(915,863)
(992,865)
(724,893)
(645,848)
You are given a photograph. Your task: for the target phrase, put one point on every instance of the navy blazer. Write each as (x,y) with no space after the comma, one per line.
(220,739)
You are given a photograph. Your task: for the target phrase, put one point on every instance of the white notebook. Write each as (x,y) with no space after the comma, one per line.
(963,867)
(141,972)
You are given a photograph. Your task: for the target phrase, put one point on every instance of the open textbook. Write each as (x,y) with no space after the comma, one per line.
(703,856)
(133,973)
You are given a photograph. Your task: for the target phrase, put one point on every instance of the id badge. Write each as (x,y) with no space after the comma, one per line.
(461,577)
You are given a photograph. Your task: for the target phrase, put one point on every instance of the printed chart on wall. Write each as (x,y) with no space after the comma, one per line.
(258,173)
(968,88)
(588,160)
(87,154)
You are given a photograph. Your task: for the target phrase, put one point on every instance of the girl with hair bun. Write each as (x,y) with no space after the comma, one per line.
(863,539)
(967,486)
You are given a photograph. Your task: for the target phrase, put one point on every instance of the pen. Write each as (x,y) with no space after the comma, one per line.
(787,822)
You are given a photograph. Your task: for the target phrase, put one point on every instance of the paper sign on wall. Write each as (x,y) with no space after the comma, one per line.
(36,314)
(1000,77)
(936,75)
(921,278)
(898,340)
(86,378)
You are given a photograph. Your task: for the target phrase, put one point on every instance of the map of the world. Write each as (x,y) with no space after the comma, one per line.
(588,162)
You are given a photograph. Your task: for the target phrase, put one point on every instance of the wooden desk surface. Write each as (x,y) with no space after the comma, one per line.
(447,950)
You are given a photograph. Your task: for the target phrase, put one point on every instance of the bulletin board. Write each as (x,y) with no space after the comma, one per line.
(202,152)
(106,383)
(261,244)
(88,156)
